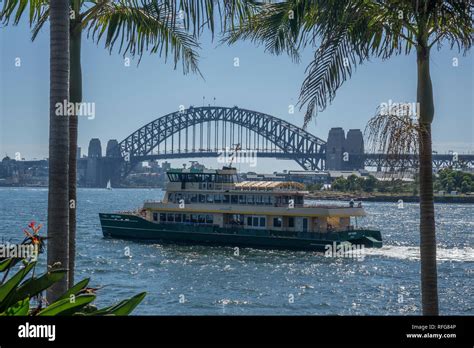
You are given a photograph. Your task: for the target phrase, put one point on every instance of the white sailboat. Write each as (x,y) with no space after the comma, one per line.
(109,185)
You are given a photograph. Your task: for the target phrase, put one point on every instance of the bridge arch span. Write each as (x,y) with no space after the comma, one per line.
(292,141)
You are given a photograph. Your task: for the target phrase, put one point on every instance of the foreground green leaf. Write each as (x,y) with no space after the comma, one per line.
(21,308)
(124,307)
(75,289)
(66,307)
(5,264)
(34,286)
(12,283)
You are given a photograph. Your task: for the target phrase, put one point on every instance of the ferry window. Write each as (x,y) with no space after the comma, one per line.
(177,218)
(291,221)
(162,217)
(249,221)
(226,198)
(209,198)
(155,216)
(250,199)
(201,219)
(186,218)
(241,199)
(209,219)
(277,222)
(234,199)
(171,197)
(217,199)
(259,200)
(262,222)
(237,219)
(170,217)
(202,199)
(299,199)
(305,225)
(224,178)
(255,221)
(193,198)
(210,185)
(194,218)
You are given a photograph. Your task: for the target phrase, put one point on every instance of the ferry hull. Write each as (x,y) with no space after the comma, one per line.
(132,227)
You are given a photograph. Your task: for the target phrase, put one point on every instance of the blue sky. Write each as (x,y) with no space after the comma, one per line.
(128,97)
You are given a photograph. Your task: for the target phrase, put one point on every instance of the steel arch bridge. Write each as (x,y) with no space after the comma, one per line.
(207,131)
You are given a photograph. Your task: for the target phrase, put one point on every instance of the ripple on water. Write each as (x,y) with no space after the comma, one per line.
(216,281)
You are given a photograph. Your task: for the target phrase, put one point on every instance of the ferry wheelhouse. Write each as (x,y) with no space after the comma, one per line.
(213,207)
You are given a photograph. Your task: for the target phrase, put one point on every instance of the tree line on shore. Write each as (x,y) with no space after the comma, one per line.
(446,180)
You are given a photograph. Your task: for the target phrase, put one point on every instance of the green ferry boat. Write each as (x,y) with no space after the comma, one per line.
(212,207)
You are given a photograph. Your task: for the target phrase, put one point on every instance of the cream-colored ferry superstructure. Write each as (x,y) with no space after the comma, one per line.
(275,205)
(215,203)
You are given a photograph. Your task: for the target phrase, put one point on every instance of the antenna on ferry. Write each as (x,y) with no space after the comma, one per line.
(237,148)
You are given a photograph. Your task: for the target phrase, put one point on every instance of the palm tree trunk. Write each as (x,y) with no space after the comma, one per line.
(75,95)
(58,207)
(429,277)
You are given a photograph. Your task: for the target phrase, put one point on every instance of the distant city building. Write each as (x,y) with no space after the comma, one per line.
(95,148)
(113,149)
(308,177)
(335,148)
(402,176)
(344,153)
(354,146)
(334,174)
(23,173)
(78,152)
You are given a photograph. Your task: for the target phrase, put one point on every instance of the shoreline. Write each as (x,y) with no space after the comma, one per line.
(366,197)
(328,195)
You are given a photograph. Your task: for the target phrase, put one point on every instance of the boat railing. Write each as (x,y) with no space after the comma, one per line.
(153,201)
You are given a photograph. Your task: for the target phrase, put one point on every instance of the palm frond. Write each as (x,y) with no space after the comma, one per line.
(452,20)
(349,33)
(14,9)
(43,18)
(333,64)
(394,130)
(139,26)
(279,26)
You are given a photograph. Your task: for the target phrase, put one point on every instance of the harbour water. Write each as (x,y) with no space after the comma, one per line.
(198,280)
